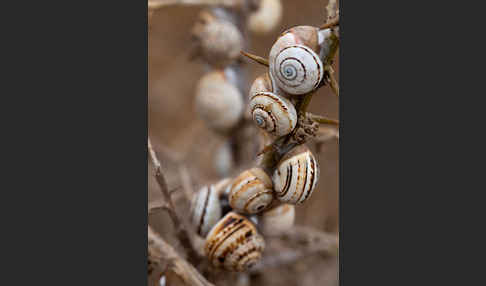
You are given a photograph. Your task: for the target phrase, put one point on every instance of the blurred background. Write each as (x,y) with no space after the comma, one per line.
(186,146)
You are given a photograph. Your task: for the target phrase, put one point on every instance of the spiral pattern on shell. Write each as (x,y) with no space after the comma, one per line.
(205,210)
(277,219)
(251,192)
(234,243)
(273,113)
(296,68)
(295,177)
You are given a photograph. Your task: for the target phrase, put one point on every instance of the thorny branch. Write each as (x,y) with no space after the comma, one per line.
(160,251)
(181,231)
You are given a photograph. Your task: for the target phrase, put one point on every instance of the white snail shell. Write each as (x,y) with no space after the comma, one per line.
(296,176)
(266,18)
(294,62)
(219,41)
(234,243)
(205,209)
(277,219)
(251,192)
(261,83)
(218,102)
(272,113)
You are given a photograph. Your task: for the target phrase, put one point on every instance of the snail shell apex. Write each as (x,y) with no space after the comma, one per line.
(251,192)
(296,176)
(234,243)
(273,113)
(205,210)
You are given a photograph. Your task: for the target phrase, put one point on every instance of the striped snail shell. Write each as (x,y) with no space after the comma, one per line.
(251,192)
(296,176)
(277,219)
(261,83)
(294,60)
(218,102)
(234,243)
(272,113)
(206,207)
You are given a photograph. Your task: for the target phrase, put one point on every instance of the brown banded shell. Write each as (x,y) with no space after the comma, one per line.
(234,243)
(205,209)
(295,64)
(296,176)
(251,192)
(272,113)
(261,83)
(277,219)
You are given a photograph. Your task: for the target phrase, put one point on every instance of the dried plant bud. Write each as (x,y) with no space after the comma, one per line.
(306,129)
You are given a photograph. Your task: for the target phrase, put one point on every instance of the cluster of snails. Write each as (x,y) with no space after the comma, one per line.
(218,40)
(295,69)
(231,214)
(233,234)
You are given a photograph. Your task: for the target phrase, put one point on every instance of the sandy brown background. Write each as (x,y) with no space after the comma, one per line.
(178,134)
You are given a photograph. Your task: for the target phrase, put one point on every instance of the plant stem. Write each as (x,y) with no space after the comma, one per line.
(256,58)
(322,119)
(181,231)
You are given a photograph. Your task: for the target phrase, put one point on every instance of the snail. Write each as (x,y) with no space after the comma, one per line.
(217,40)
(266,18)
(277,219)
(234,243)
(218,102)
(271,112)
(296,176)
(206,207)
(251,192)
(296,59)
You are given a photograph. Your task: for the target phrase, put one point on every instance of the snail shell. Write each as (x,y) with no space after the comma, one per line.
(266,18)
(296,176)
(277,219)
(294,60)
(261,83)
(234,243)
(217,40)
(218,102)
(251,192)
(272,113)
(206,208)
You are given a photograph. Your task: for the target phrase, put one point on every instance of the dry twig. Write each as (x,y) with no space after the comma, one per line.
(330,24)
(162,252)
(181,231)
